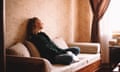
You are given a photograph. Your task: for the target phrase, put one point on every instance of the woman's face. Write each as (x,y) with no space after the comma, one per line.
(38,24)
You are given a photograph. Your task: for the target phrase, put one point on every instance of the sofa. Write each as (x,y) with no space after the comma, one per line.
(24,57)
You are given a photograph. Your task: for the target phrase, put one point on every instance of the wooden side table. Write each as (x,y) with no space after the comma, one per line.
(114,57)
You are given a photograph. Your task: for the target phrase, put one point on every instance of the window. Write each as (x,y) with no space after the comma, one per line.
(114,15)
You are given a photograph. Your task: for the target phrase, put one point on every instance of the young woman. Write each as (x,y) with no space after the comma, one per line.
(45,45)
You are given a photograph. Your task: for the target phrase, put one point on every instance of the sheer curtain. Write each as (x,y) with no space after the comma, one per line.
(108,24)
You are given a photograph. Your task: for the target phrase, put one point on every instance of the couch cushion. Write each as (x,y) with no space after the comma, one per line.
(85,60)
(70,68)
(85,47)
(18,49)
(60,42)
(33,50)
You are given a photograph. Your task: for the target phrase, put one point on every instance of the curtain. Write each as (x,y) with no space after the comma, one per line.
(98,7)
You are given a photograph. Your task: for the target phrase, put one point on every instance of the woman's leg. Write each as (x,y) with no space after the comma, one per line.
(75,50)
(63,59)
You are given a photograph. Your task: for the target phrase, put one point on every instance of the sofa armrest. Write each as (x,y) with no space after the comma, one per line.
(87,47)
(26,64)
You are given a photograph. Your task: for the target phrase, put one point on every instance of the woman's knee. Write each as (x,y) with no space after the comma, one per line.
(63,59)
(75,50)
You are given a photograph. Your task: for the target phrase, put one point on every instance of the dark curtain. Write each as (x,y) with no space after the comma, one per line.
(98,7)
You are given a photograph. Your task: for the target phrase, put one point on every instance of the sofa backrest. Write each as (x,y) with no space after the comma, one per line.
(28,49)
(60,42)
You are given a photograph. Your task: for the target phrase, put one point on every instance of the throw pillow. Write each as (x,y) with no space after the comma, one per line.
(33,50)
(60,42)
(18,49)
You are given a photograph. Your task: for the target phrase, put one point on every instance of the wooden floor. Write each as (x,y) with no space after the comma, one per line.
(104,68)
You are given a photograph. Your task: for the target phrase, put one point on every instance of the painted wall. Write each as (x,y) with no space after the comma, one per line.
(70,19)
(82,20)
(55,14)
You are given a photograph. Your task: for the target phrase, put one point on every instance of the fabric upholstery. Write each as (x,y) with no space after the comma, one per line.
(32,49)
(90,48)
(24,64)
(18,49)
(60,42)
(86,58)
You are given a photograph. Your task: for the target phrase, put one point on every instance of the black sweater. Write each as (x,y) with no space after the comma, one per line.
(45,46)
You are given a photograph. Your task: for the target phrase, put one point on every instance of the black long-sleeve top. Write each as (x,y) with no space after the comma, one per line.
(45,46)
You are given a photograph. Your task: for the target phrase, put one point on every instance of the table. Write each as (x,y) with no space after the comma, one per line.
(114,52)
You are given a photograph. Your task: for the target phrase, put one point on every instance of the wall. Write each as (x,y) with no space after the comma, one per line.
(55,14)
(82,20)
(70,19)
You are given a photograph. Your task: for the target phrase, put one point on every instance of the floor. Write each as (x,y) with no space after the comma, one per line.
(105,68)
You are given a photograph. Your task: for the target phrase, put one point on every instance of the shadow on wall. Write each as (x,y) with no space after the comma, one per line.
(21,32)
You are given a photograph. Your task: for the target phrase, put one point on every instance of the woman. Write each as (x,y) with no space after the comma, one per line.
(46,47)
